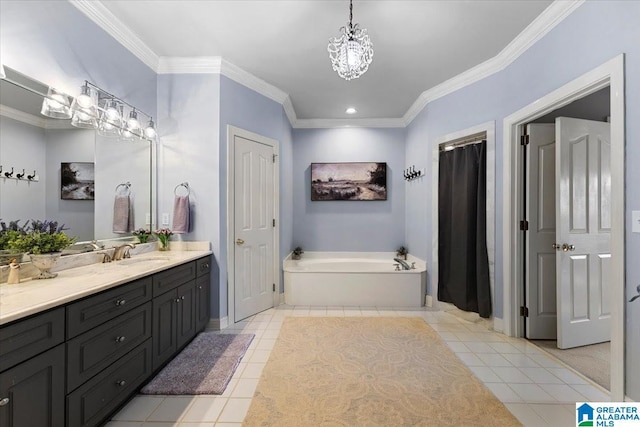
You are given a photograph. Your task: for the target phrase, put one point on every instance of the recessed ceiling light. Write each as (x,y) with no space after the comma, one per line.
(351,110)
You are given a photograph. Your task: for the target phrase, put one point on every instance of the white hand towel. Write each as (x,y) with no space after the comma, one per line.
(181,212)
(122,218)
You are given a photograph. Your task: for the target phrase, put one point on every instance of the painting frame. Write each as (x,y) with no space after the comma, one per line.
(348,181)
(77,181)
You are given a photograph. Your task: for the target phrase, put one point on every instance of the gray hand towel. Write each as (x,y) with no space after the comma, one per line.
(122,218)
(181,212)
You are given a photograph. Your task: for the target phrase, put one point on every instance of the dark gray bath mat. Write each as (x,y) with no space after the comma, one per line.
(205,366)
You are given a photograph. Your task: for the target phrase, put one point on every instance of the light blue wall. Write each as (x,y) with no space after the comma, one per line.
(188,151)
(348,225)
(596,32)
(246,109)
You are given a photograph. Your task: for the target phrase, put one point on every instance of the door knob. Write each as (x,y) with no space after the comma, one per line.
(567,247)
(556,246)
(239,242)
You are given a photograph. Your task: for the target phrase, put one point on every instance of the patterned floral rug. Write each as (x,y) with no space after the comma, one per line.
(369,371)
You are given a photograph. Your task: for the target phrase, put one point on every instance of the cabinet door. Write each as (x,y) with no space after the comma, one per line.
(33,391)
(186,313)
(203,302)
(165,309)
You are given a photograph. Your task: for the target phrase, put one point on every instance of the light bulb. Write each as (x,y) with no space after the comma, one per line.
(150,131)
(133,122)
(84,99)
(112,111)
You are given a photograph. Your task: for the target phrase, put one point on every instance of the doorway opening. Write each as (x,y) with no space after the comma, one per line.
(484,131)
(609,74)
(252,223)
(566,191)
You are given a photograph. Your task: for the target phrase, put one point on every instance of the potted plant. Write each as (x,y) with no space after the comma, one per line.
(142,234)
(297,253)
(44,241)
(8,233)
(163,236)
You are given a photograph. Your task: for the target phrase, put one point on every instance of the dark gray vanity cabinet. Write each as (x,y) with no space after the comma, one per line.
(77,364)
(175,316)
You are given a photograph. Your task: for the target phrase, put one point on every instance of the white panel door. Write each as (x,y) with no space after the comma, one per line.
(541,214)
(583,197)
(253,234)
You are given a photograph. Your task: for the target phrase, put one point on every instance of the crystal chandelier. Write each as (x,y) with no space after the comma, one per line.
(351,52)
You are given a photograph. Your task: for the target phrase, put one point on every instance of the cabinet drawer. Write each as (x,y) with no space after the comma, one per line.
(25,338)
(91,403)
(97,309)
(174,277)
(203,266)
(93,351)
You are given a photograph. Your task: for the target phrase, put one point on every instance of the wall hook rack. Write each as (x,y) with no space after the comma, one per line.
(411,173)
(18,176)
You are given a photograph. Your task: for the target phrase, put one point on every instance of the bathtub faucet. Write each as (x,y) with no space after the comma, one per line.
(403,263)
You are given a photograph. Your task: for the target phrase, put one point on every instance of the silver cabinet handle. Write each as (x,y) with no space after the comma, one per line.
(566,247)
(121,383)
(556,246)
(206,266)
(239,242)
(177,299)
(4,401)
(120,339)
(121,302)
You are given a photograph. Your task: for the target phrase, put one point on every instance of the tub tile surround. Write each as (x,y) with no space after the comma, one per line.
(536,387)
(77,277)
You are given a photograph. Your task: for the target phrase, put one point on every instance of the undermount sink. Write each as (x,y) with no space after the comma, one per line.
(147,260)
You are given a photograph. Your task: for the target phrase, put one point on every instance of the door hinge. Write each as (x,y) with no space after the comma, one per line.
(524,311)
(524,140)
(274,222)
(274,158)
(524,225)
(274,287)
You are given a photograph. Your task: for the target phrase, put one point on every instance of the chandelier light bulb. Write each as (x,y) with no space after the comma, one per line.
(112,111)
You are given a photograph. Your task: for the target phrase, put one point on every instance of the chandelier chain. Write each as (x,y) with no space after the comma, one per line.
(350,15)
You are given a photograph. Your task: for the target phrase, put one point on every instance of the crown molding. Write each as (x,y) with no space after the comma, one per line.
(106,20)
(189,65)
(538,28)
(23,117)
(341,123)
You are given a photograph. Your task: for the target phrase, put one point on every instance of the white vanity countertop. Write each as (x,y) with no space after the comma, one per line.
(33,296)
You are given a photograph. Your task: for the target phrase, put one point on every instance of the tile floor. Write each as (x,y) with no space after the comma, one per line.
(537,388)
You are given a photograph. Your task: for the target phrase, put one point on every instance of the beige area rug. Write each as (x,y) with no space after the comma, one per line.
(330,371)
(592,361)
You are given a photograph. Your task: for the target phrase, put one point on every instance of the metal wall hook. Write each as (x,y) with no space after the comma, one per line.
(9,174)
(20,175)
(30,177)
(0,168)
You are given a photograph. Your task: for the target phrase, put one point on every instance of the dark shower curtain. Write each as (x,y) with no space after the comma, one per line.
(463,263)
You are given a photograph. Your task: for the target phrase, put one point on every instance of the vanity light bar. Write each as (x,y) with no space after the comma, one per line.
(95,108)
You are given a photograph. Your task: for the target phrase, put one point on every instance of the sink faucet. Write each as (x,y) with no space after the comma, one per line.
(403,263)
(122,251)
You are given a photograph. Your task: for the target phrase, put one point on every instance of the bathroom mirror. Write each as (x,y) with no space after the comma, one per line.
(39,145)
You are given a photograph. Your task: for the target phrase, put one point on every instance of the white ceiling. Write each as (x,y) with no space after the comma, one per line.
(417,44)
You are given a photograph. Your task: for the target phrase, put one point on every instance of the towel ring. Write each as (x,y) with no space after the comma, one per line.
(127,185)
(182,184)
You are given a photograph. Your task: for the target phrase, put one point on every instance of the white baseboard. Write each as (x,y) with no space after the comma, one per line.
(218,324)
(428,300)
(282,298)
(498,324)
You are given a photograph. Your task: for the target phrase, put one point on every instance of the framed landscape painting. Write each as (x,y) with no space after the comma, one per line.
(348,181)
(77,181)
